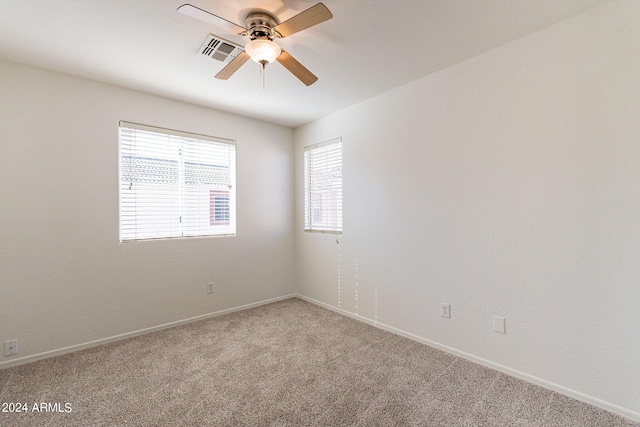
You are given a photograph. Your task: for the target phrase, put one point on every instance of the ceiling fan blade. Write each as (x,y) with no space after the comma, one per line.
(296,68)
(233,66)
(210,18)
(305,19)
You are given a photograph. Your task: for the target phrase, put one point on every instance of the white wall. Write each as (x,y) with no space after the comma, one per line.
(65,280)
(506,185)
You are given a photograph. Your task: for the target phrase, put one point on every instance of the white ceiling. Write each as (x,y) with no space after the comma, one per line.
(369,47)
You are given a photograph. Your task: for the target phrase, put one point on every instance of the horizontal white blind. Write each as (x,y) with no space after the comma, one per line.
(323,187)
(175,184)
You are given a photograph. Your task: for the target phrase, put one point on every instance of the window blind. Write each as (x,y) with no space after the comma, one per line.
(323,187)
(175,184)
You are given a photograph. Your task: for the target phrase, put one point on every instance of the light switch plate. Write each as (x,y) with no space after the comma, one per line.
(445,310)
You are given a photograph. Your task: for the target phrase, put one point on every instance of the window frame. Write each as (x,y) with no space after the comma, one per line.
(323,202)
(190,194)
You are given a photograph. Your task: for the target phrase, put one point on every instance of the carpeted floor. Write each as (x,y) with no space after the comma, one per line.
(286,363)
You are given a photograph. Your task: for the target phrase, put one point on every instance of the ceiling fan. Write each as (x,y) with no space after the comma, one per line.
(262,29)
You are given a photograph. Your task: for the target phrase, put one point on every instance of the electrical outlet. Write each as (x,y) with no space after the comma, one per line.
(210,287)
(11,347)
(445,310)
(499,324)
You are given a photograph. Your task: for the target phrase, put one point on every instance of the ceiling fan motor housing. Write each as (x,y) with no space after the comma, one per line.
(261,25)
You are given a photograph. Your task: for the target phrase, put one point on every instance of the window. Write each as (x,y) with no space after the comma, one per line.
(175,184)
(323,187)
(219,213)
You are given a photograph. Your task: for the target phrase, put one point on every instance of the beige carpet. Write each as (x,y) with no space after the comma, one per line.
(287,363)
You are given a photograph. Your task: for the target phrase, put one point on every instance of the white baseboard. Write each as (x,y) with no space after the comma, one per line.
(635,416)
(77,347)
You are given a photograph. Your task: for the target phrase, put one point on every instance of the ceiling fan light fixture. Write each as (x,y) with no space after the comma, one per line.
(263,51)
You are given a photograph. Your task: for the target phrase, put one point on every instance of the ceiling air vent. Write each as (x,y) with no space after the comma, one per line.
(219,49)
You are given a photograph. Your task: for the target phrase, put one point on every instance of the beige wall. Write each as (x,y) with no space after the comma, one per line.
(65,280)
(506,185)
